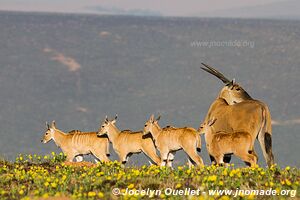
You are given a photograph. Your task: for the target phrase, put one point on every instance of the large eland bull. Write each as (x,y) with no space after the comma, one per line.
(237,111)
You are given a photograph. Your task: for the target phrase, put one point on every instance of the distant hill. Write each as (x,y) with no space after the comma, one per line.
(76,69)
(289,9)
(119,11)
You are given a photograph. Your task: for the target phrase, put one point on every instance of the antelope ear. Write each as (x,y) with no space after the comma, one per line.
(47,125)
(114,121)
(158,118)
(212,121)
(231,83)
(53,125)
(151,118)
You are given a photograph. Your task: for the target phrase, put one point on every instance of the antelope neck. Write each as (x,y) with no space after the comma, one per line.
(155,131)
(113,133)
(58,137)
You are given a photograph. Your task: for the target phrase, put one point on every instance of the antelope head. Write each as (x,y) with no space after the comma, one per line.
(149,125)
(49,134)
(232,92)
(106,125)
(206,127)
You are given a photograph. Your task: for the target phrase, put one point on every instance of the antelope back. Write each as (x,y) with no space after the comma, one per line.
(245,116)
(84,140)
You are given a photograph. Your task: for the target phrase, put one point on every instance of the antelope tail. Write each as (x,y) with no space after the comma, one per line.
(265,136)
(268,121)
(268,137)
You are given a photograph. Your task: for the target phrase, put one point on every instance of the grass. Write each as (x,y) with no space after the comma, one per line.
(36,177)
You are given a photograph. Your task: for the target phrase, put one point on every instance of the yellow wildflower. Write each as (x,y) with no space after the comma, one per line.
(224,198)
(288,182)
(21,192)
(54,185)
(64,177)
(46,195)
(212,178)
(91,194)
(267,184)
(100,195)
(287,168)
(251,196)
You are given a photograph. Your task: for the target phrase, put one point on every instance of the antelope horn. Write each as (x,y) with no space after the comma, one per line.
(116,117)
(216,73)
(106,118)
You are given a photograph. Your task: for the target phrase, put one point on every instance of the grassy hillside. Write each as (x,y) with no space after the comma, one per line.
(76,69)
(33,176)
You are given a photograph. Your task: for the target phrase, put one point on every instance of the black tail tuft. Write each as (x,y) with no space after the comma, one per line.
(268,146)
(268,142)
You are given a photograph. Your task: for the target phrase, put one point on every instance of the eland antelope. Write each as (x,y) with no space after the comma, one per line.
(77,143)
(170,139)
(236,110)
(221,143)
(126,142)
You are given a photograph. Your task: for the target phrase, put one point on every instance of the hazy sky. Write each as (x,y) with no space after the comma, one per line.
(165,7)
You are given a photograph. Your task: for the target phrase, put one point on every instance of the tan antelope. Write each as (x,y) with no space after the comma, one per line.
(170,139)
(126,142)
(236,110)
(221,143)
(77,143)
